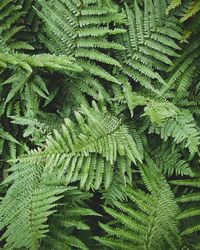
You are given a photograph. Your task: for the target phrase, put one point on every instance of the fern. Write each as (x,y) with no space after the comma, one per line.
(148,221)
(36,200)
(190,212)
(169,160)
(149,46)
(82,149)
(73,36)
(10,13)
(194,7)
(99,124)
(182,128)
(183,70)
(68,219)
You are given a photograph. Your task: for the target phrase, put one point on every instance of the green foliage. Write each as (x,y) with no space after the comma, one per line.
(79,151)
(26,216)
(148,220)
(150,43)
(99,124)
(182,128)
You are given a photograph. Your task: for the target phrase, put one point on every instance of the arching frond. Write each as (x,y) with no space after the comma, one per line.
(81,148)
(189,202)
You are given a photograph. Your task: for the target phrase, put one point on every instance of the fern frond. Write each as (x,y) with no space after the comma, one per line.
(27,224)
(193,8)
(147,46)
(148,221)
(83,30)
(10,14)
(169,160)
(190,206)
(60,63)
(70,217)
(183,71)
(182,128)
(83,148)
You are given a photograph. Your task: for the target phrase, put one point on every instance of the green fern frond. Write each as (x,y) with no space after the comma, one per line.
(27,224)
(169,160)
(182,128)
(190,206)
(25,62)
(67,153)
(148,221)
(183,71)
(99,115)
(82,31)
(10,14)
(147,44)
(69,218)
(193,8)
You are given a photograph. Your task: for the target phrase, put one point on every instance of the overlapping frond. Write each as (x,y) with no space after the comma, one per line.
(82,29)
(25,218)
(148,221)
(184,71)
(10,14)
(170,161)
(80,151)
(182,128)
(193,7)
(189,203)
(99,114)
(151,41)
(70,217)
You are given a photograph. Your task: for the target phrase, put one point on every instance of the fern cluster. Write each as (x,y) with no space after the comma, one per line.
(99,116)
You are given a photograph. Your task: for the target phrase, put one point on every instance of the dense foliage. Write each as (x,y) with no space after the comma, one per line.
(99,124)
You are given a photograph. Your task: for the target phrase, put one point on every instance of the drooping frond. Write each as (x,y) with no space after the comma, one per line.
(25,62)
(184,70)
(169,160)
(193,7)
(70,217)
(5,136)
(38,126)
(30,18)
(25,78)
(10,13)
